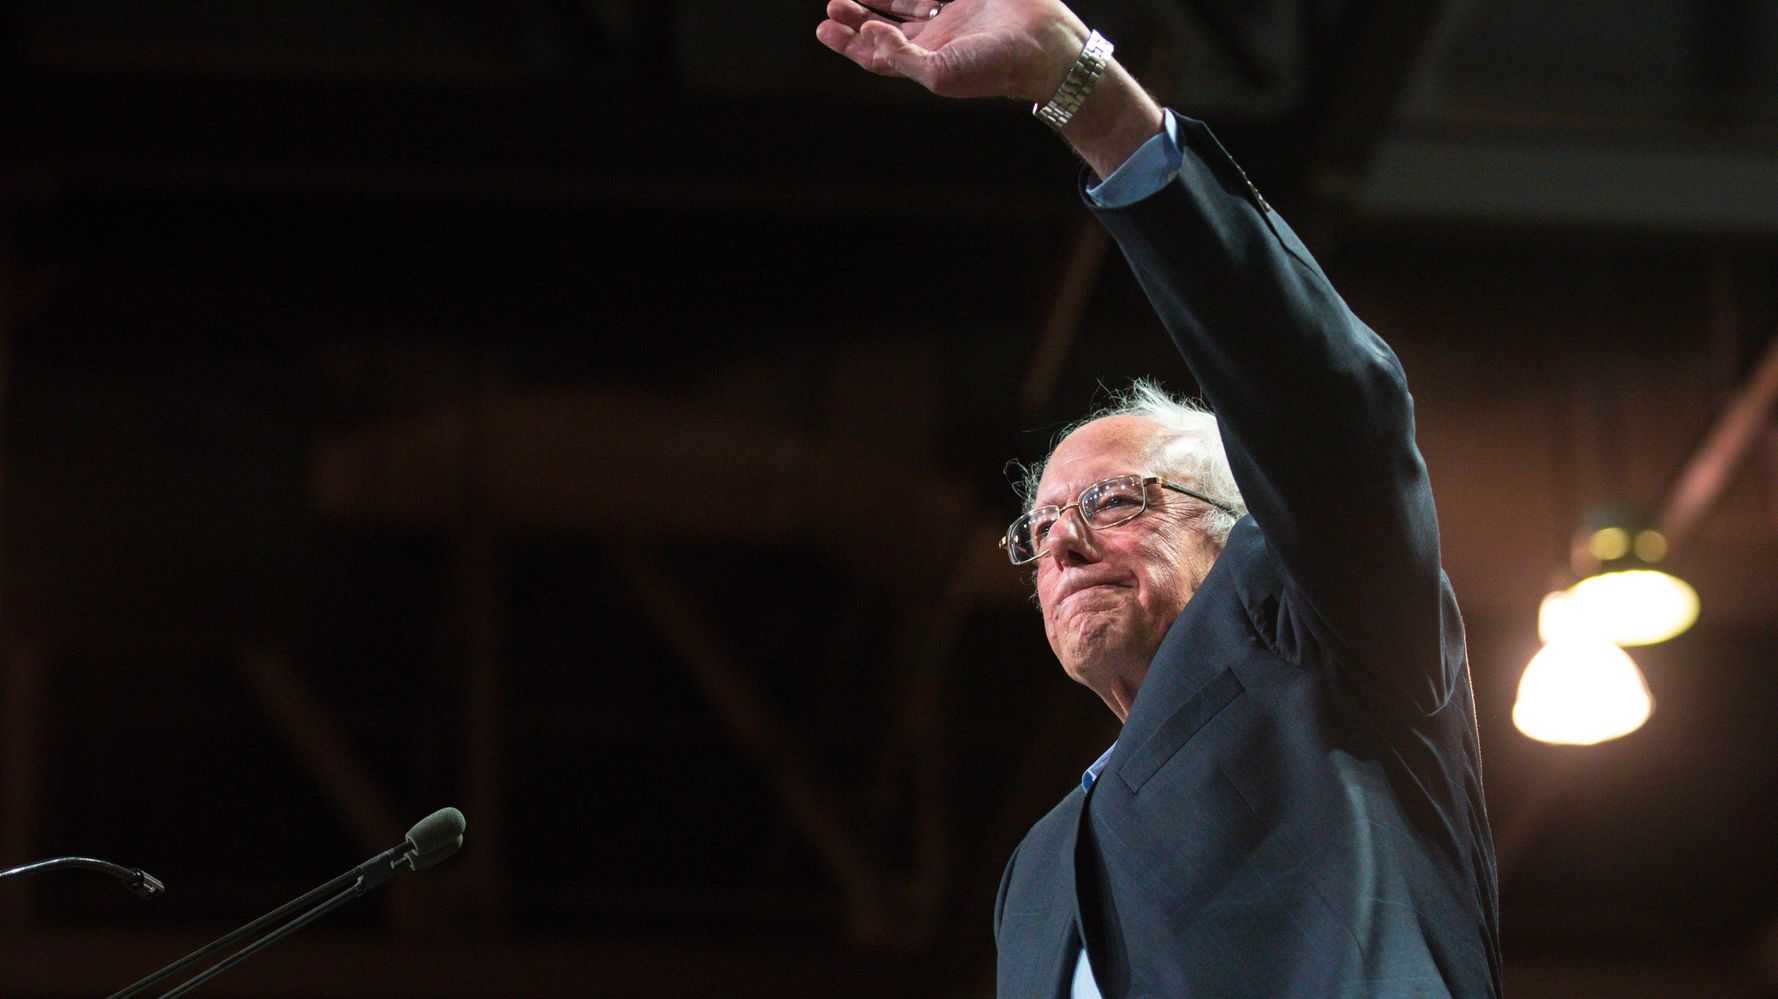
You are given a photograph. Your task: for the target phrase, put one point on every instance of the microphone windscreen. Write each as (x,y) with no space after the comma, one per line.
(435,831)
(422,861)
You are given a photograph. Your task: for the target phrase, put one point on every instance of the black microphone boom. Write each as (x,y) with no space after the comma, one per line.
(140,881)
(430,841)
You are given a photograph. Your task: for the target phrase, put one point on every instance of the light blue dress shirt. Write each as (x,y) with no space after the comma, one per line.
(1149,169)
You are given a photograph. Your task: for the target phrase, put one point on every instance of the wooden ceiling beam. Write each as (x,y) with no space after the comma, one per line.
(1727,444)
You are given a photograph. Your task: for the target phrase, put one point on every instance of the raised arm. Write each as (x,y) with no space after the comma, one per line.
(1317,420)
(1018,49)
(1313,407)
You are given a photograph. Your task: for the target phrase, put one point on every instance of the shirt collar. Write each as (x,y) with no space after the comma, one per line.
(1092,772)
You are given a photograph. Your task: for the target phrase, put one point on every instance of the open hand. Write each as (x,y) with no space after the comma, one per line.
(973,48)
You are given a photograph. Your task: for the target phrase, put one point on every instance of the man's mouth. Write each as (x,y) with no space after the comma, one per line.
(1093,587)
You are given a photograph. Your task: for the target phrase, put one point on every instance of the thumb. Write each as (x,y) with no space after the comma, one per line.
(904,57)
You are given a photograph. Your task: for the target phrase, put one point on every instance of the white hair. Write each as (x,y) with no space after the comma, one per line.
(1188,449)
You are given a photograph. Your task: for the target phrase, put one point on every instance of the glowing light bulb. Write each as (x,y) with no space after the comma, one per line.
(1559,617)
(1634,607)
(1581,690)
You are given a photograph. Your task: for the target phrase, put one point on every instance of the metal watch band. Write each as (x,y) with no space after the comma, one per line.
(1077,84)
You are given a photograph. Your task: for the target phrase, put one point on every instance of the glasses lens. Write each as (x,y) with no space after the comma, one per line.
(1110,503)
(1025,538)
(1018,541)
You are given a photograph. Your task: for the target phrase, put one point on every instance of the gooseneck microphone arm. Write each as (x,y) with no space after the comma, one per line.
(271,918)
(344,895)
(140,881)
(431,840)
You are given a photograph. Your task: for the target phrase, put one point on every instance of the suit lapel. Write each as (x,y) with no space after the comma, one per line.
(1175,673)
(1039,933)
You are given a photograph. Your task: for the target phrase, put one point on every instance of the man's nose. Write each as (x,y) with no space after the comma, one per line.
(1070,541)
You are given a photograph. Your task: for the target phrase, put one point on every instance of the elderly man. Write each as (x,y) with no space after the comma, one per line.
(1294,805)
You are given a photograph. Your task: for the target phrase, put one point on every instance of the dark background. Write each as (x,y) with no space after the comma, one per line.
(595,416)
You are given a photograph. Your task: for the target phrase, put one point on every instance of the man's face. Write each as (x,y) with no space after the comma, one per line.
(1109,596)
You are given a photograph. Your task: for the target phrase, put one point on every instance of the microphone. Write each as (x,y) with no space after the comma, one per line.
(425,860)
(442,830)
(139,881)
(430,841)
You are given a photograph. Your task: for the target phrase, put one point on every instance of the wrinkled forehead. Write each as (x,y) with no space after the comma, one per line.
(1114,445)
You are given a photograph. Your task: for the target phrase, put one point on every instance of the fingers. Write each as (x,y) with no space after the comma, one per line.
(859,46)
(916,10)
(870,39)
(850,14)
(875,42)
(902,57)
(835,35)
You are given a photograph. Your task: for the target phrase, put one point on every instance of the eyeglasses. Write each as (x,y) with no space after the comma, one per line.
(1103,504)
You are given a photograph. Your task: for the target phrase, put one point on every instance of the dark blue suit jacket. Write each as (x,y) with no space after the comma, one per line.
(1294,807)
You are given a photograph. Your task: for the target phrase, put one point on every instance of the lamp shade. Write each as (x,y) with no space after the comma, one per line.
(1634,606)
(1580,690)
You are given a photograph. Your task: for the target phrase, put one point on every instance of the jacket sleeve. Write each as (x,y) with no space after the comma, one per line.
(1317,419)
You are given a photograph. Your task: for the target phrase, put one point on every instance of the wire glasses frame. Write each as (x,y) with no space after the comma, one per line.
(1106,503)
